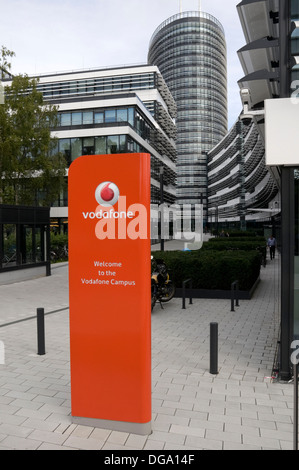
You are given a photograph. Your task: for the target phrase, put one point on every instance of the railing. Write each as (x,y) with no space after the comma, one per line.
(187,14)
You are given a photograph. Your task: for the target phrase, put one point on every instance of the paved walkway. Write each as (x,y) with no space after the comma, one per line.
(240,408)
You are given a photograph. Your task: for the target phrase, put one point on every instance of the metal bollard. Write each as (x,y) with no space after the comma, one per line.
(232,308)
(214,348)
(234,288)
(188,281)
(41,350)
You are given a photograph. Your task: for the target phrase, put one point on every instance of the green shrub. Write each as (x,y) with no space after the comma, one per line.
(59,247)
(222,246)
(213,269)
(242,233)
(237,240)
(237,244)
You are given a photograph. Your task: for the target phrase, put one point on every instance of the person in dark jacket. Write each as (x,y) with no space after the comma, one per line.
(272,246)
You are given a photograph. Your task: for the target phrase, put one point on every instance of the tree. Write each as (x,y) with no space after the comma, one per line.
(5,65)
(31,171)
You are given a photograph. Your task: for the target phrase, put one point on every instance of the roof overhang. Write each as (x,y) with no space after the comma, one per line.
(260,54)
(262,84)
(258,18)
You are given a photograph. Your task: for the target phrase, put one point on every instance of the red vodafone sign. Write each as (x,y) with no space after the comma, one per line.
(109,284)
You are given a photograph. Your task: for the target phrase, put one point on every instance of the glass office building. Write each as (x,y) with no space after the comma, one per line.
(190,51)
(111,111)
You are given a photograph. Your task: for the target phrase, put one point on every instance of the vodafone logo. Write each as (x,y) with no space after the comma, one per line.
(125,222)
(107,194)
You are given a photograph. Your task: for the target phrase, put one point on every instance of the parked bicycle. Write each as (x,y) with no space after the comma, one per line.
(163,289)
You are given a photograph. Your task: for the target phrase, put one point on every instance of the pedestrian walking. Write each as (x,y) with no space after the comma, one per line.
(272,246)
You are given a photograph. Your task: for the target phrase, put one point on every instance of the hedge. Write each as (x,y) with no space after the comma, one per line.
(260,240)
(244,234)
(214,270)
(233,245)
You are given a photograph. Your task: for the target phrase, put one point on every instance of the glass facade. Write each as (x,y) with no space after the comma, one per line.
(74,148)
(190,51)
(97,85)
(99,116)
(106,111)
(107,120)
(24,233)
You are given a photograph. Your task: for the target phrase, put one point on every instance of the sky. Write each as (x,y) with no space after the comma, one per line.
(64,35)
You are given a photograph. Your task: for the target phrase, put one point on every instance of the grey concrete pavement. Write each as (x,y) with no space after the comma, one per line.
(240,408)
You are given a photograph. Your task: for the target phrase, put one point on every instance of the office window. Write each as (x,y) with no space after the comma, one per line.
(122,115)
(65,148)
(90,85)
(76,148)
(100,145)
(39,252)
(295,9)
(113,144)
(54,148)
(9,251)
(99,87)
(88,117)
(98,118)
(73,88)
(88,146)
(122,143)
(65,119)
(27,244)
(110,115)
(131,116)
(76,119)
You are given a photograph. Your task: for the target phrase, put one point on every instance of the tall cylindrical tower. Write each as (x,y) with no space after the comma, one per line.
(190,51)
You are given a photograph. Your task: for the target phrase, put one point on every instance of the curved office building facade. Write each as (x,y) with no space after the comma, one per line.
(240,186)
(190,51)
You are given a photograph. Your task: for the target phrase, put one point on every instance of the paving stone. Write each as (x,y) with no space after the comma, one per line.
(203,444)
(19,443)
(241,408)
(48,437)
(83,443)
